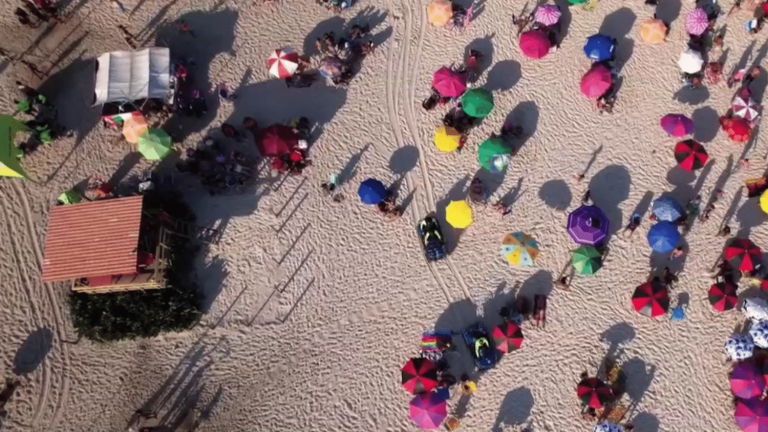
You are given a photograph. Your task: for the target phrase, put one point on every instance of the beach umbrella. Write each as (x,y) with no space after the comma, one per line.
(739,347)
(458,214)
(653,31)
(594,393)
(755,308)
(428,410)
(155,144)
(751,415)
(520,249)
(587,260)
(9,152)
(746,380)
(599,47)
(447,139)
(276,140)
(722,296)
(439,12)
(663,237)
(547,14)
(507,337)
(690,61)
(651,299)
(477,102)
(283,62)
(743,255)
(596,81)
(493,154)
(676,125)
(372,191)
(606,426)
(759,333)
(588,225)
(71,196)
(737,128)
(419,375)
(690,155)
(696,22)
(134,127)
(535,44)
(577,2)
(666,208)
(764,201)
(448,82)
(330,67)
(745,108)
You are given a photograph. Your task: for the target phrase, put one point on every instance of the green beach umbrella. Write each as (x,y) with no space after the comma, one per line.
(477,102)
(70,197)
(576,2)
(155,144)
(493,154)
(587,260)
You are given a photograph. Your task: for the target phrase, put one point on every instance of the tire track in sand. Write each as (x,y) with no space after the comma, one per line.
(392,86)
(413,127)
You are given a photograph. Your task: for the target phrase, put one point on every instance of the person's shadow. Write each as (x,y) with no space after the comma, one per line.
(616,336)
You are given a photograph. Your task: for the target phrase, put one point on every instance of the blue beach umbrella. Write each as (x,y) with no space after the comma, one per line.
(599,47)
(667,209)
(663,237)
(372,191)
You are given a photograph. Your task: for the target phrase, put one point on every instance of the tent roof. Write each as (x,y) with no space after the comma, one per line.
(123,76)
(96,238)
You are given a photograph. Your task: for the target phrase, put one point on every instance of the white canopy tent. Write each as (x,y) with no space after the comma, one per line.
(123,76)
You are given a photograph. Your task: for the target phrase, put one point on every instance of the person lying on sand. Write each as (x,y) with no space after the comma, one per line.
(634,223)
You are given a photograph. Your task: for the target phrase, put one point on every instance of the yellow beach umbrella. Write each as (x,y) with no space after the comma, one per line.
(653,31)
(447,139)
(134,127)
(458,214)
(439,12)
(764,201)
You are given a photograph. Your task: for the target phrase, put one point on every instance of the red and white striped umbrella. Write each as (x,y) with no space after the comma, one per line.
(745,108)
(283,62)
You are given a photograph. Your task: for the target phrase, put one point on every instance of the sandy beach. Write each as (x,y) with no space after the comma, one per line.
(312,306)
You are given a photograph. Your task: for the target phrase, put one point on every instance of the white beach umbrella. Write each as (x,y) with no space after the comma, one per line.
(739,347)
(755,309)
(607,426)
(745,108)
(690,62)
(759,333)
(283,62)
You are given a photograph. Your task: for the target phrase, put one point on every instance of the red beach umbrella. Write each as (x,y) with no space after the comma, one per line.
(746,380)
(651,299)
(743,255)
(419,375)
(283,62)
(596,81)
(507,337)
(535,44)
(276,140)
(690,155)
(594,393)
(722,296)
(737,128)
(449,83)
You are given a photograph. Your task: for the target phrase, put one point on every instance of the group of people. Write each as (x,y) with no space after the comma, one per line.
(469,68)
(335,5)
(217,168)
(42,10)
(350,50)
(297,160)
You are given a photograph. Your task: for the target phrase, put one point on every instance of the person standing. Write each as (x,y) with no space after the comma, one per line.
(36,12)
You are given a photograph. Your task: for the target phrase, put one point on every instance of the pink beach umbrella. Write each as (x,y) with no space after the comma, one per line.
(696,22)
(448,82)
(547,14)
(752,415)
(745,108)
(283,62)
(596,81)
(534,44)
(428,410)
(676,125)
(747,381)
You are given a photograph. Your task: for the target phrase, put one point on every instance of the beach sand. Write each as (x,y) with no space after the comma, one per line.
(311,336)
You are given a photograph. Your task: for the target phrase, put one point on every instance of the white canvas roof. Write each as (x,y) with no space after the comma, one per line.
(132,75)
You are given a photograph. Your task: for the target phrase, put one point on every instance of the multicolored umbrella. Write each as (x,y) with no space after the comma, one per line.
(507,337)
(588,225)
(493,154)
(587,260)
(594,393)
(447,139)
(690,61)
(751,415)
(663,237)
(458,214)
(745,108)
(759,333)
(547,14)
(330,67)
(477,102)
(155,144)
(439,12)
(535,44)
(283,62)
(722,296)
(599,47)
(676,125)
(596,81)
(606,426)
(696,22)
(743,255)
(520,249)
(372,191)
(739,347)
(690,155)
(448,82)
(666,208)
(746,380)
(276,140)
(428,410)
(419,375)
(653,31)
(134,127)
(651,299)
(737,128)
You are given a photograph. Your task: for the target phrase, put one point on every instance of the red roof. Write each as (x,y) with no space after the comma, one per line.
(92,239)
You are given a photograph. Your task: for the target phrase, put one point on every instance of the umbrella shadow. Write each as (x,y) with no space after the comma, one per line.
(500,298)
(514,194)
(616,336)
(618,23)
(403,160)
(644,205)
(539,283)
(484,45)
(457,192)
(691,96)
(515,409)
(640,376)
(707,124)
(565,20)
(646,422)
(127,165)
(503,76)
(32,351)
(760,83)
(526,115)
(609,188)
(749,215)
(211,277)
(491,180)
(349,171)
(668,11)
(454,319)
(556,194)
(369,16)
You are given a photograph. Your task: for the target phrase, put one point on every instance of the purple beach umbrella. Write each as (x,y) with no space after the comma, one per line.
(547,14)
(677,125)
(747,380)
(696,22)
(428,410)
(588,225)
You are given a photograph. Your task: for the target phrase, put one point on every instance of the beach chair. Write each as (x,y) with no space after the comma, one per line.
(540,310)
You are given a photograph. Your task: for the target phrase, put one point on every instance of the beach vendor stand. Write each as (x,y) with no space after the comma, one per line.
(133,82)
